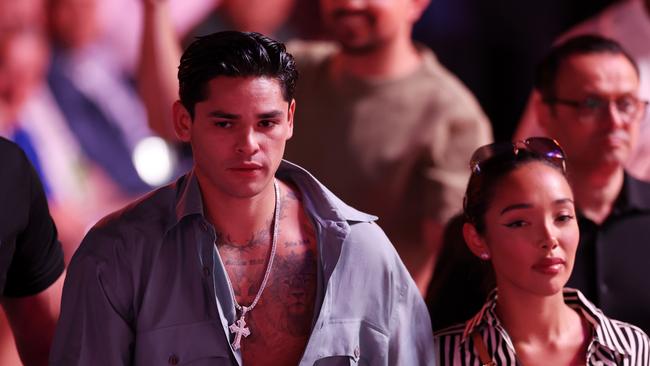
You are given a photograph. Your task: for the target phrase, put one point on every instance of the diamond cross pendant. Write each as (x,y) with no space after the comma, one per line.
(240,329)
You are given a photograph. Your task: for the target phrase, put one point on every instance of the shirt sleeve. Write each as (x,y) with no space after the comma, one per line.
(38,258)
(411,337)
(461,128)
(93,327)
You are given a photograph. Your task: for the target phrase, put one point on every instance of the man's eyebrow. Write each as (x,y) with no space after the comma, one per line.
(224,115)
(270,114)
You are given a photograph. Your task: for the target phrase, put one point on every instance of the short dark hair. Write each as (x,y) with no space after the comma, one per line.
(580,45)
(481,186)
(233,54)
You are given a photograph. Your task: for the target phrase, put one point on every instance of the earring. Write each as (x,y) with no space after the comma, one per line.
(485,256)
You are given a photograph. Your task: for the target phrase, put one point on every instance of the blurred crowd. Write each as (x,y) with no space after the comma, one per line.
(86,88)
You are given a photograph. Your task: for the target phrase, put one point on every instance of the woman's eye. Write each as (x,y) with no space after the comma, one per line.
(564,218)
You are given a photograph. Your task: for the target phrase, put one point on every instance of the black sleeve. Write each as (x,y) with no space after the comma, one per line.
(38,258)
(461,281)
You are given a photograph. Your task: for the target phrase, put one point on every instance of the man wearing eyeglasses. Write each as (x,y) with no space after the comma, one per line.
(627,22)
(589,102)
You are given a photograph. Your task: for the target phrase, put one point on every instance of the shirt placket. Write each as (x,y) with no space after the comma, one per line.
(220,290)
(330,235)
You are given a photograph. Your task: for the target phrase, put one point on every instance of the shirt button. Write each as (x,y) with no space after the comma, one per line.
(173,359)
(357,352)
(206,271)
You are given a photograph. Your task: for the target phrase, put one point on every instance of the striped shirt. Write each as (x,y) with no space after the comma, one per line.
(613,342)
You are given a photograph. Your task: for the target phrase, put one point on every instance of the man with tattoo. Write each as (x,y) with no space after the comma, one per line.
(247,259)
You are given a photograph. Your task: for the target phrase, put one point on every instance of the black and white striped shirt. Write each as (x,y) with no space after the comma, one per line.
(613,343)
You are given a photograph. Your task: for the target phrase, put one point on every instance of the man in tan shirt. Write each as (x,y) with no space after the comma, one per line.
(385,125)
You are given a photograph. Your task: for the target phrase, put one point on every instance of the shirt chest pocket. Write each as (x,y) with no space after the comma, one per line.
(197,344)
(351,342)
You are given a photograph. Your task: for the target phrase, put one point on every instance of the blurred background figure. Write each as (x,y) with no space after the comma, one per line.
(23,62)
(120,25)
(79,192)
(31,261)
(384,125)
(96,95)
(627,22)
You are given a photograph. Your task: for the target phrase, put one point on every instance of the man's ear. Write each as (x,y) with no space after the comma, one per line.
(182,121)
(475,242)
(290,115)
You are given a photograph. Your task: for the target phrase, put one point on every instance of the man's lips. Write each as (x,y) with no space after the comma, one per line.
(246,166)
(351,18)
(549,265)
(248,170)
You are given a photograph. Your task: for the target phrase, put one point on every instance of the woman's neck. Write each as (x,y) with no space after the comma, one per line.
(543,326)
(531,316)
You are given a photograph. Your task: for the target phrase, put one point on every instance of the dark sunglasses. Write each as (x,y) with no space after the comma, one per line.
(542,147)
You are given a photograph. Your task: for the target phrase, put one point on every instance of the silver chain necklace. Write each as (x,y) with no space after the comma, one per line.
(239,326)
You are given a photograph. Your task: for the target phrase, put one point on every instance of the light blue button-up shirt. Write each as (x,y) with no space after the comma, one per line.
(147,287)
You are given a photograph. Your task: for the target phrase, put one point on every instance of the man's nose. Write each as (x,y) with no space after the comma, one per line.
(613,117)
(352,4)
(247,142)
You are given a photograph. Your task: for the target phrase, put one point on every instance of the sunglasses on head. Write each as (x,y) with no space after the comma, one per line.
(542,147)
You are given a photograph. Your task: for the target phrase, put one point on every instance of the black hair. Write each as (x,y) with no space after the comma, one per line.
(581,45)
(481,185)
(233,54)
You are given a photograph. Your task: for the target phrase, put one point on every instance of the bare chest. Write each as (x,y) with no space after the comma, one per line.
(280,324)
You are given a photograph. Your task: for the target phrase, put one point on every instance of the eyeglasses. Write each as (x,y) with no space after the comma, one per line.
(593,108)
(542,147)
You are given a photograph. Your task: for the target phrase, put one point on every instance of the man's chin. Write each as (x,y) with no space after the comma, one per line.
(357,47)
(607,161)
(244,189)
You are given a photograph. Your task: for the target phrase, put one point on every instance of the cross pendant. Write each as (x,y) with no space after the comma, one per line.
(239,328)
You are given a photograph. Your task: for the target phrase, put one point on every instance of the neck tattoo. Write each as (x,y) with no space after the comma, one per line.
(239,327)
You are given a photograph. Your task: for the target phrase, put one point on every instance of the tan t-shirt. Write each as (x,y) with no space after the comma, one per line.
(398,149)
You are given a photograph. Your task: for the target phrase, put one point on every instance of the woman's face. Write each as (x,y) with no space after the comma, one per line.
(531,232)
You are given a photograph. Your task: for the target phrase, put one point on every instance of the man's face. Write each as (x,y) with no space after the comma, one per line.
(238,134)
(74,22)
(23,62)
(365,25)
(594,140)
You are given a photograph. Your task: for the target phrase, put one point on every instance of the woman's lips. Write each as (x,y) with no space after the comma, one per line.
(549,265)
